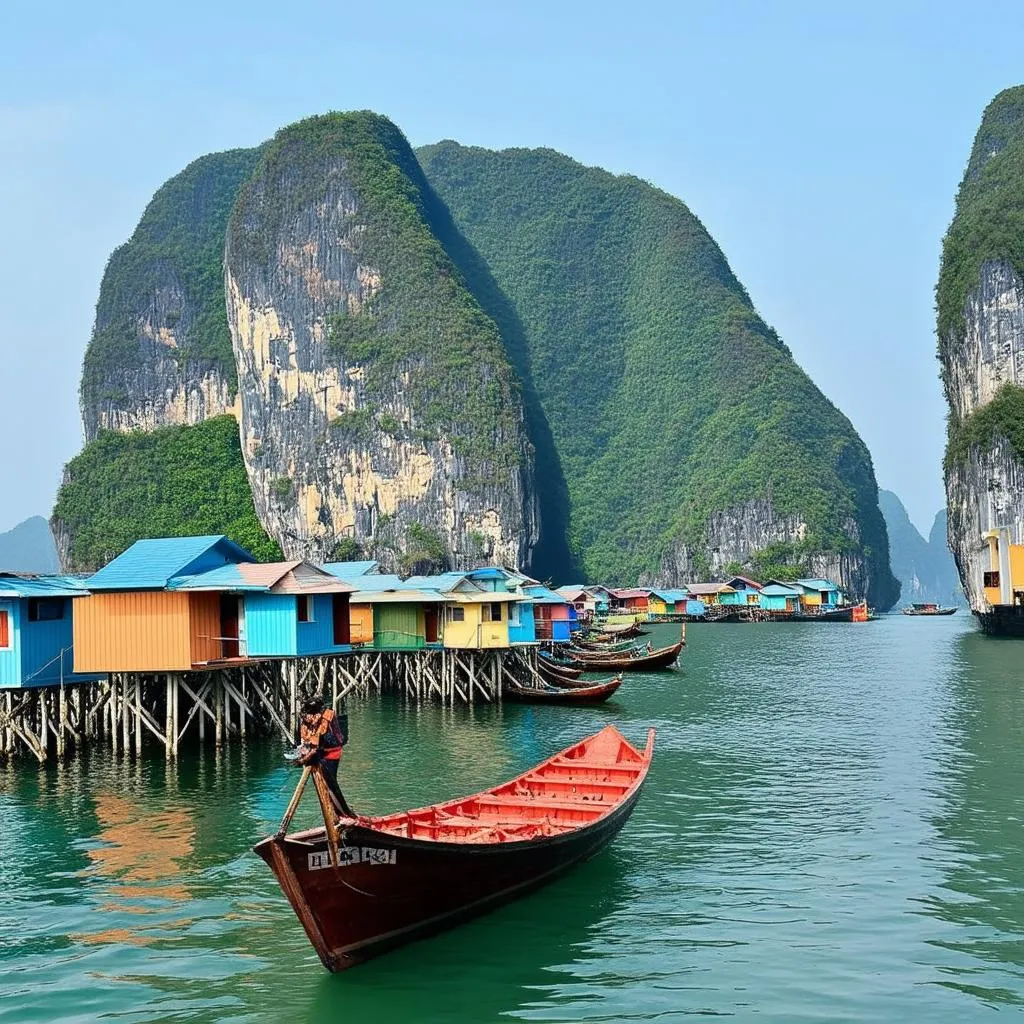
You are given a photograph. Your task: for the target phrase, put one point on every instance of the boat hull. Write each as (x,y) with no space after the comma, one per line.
(1004,620)
(568,692)
(390,890)
(653,662)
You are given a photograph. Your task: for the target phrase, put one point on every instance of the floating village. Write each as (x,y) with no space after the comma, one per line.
(193,637)
(180,635)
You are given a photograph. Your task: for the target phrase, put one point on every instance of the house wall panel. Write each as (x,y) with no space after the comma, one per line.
(133,631)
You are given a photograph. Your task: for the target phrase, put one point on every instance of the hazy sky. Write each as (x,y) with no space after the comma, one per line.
(821,148)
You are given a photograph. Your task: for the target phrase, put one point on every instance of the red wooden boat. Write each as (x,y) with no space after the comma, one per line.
(662,658)
(361,886)
(570,693)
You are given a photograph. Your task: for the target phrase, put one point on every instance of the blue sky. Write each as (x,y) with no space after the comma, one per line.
(822,148)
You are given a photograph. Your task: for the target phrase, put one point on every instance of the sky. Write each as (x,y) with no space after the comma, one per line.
(821,145)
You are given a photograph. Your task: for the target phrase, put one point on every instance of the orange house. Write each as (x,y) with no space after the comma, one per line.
(130,622)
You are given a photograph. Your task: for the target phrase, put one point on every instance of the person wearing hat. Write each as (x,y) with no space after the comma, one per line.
(320,731)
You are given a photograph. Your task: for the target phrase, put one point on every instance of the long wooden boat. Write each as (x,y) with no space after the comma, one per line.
(363,885)
(580,693)
(927,609)
(621,630)
(664,657)
(554,673)
(579,684)
(610,647)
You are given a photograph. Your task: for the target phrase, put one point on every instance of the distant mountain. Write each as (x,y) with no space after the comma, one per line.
(925,568)
(28,547)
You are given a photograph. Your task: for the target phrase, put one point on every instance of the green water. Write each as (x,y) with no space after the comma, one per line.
(831,831)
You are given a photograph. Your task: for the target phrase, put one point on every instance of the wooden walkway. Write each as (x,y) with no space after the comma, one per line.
(128,711)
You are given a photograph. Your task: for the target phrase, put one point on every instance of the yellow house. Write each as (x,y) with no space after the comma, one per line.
(1003,583)
(477,620)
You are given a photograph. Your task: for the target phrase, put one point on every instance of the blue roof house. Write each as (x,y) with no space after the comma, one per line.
(285,609)
(36,631)
(779,597)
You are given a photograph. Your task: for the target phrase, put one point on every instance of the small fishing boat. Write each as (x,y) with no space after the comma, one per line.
(927,608)
(577,684)
(621,630)
(578,693)
(360,886)
(637,660)
(554,673)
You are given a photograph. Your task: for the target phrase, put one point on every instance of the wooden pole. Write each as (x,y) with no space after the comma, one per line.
(62,710)
(168,718)
(138,715)
(125,734)
(218,705)
(177,720)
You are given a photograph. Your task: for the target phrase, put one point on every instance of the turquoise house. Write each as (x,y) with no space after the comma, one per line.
(36,631)
(779,597)
(819,592)
(284,609)
(745,592)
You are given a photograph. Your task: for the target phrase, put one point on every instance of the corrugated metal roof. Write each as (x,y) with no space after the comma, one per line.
(291,577)
(150,564)
(817,584)
(381,581)
(444,582)
(542,595)
(749,583)
(699,589)
(397,597)
(779,590)
(346,570)
(18,585)
(671,596)
(632,592)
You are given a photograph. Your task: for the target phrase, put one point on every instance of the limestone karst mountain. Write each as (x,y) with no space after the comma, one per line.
(469,356)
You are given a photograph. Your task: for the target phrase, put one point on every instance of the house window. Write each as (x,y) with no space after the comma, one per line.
(492,612)
(457,614)
(5,631)
(305,607)
(45,609)
(992,579)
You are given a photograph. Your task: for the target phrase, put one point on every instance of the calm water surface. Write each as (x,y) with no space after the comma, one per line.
(831,831)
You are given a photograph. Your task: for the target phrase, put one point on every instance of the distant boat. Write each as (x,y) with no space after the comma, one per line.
(927,608)
(363,885)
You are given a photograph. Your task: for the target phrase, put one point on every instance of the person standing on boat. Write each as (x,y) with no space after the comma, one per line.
(320,730)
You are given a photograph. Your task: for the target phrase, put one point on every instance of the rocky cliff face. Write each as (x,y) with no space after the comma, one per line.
(376,401)
(984,490)
(740,539)
(980,297)
(986,351)
(160,353)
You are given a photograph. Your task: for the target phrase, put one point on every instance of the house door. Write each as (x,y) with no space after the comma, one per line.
(430,624)
(342,622)
(228,626)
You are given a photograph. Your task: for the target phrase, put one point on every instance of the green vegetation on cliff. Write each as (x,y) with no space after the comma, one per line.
(989,220)
(178,245)
(667,395)
(423,321)
(172,482)
(1003,417)
(988,225)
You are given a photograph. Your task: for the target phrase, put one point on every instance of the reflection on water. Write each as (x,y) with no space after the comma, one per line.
(982,824)
(831,831)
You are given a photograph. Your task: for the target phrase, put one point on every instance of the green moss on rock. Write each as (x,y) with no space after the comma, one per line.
(171,482)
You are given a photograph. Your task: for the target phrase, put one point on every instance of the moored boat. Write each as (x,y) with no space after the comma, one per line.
(554,673)
(927,608)
(563,693)
(635,661)
(360,886)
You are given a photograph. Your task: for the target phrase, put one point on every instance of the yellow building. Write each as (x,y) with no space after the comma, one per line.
(1003,583)
(477,620)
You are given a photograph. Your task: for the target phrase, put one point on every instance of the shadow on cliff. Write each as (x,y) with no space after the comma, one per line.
(552,556)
